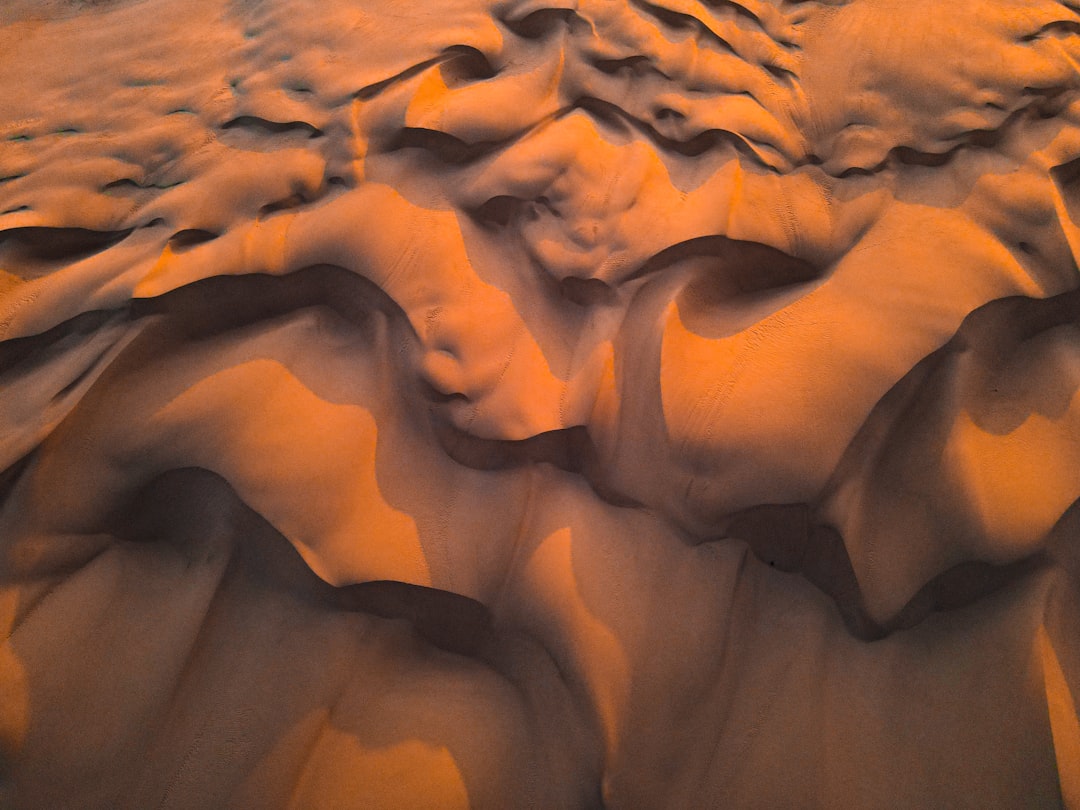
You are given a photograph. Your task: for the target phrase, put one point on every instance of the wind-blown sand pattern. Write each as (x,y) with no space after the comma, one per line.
(612,403)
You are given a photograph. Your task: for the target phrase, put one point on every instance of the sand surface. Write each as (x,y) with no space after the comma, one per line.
(601,404)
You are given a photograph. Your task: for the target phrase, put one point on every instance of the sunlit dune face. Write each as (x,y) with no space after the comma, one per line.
(642,242)
(679,244)
(495,313)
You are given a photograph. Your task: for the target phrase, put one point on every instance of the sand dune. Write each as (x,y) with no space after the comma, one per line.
(611,403)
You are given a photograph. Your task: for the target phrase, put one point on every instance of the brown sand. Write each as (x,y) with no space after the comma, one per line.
(620,403)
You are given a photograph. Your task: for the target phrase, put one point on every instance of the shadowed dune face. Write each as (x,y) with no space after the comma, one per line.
(390,396)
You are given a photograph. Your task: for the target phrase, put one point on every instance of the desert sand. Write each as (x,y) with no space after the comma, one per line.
(572,404)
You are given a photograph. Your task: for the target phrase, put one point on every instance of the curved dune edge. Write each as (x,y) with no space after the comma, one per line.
(647,404)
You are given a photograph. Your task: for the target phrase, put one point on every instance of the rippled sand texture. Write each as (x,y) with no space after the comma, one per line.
(623,404)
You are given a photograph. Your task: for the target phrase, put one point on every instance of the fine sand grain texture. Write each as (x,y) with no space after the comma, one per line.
(578,404)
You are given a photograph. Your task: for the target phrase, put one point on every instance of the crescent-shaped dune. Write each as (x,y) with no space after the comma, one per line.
(600,403)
